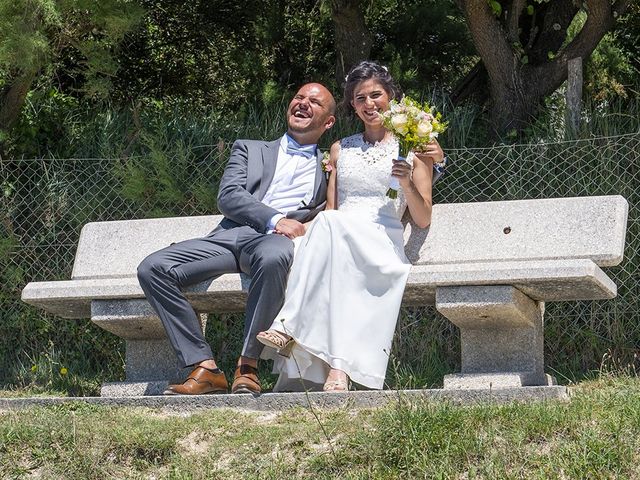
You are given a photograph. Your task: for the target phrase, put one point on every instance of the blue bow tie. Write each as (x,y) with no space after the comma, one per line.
(294,148)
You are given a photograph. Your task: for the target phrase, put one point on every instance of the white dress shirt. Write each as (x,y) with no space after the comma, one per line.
(292,184)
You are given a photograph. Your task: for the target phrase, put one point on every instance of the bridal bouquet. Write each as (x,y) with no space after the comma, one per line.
(414,125)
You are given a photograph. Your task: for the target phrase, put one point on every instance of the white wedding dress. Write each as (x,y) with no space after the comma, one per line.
(348,277)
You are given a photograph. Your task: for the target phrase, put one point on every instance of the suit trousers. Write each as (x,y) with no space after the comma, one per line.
(265,258)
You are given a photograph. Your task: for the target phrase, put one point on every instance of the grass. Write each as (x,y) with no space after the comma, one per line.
(595,435)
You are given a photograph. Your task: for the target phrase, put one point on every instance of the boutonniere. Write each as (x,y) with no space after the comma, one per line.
(326,165)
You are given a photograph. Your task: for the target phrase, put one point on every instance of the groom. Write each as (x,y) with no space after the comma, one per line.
(267,192)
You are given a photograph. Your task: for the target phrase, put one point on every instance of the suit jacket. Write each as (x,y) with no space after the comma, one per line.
(245,181)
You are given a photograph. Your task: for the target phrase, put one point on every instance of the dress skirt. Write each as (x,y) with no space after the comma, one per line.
(342,302)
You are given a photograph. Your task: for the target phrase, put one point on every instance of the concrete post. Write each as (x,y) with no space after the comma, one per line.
(574,95)
(150,363)
(501,333)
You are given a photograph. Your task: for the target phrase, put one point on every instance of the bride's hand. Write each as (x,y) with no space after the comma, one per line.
(402,171)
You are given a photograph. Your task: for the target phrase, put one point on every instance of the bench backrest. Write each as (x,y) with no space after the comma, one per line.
(115,249)
(520,230)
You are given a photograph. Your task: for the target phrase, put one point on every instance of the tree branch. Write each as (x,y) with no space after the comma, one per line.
(551,23)
(473,85)
(600,19)
(513,20)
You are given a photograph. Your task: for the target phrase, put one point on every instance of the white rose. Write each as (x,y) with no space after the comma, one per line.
(399,123)
(424,129)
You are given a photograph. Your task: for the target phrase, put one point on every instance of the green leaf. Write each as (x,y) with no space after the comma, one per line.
(530,10)
(524,60)
(495,7)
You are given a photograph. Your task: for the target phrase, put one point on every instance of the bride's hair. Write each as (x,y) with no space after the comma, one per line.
(367,70)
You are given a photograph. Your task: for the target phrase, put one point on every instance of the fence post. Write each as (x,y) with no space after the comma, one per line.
(573,95)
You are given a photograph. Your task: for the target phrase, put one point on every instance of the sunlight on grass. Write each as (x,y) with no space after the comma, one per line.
(595,435)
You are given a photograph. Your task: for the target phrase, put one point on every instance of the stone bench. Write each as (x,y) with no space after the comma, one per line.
(488,267)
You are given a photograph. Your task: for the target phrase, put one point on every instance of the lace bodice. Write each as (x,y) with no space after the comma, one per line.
(364,171)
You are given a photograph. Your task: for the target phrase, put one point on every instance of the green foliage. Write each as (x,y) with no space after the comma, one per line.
(496,8)
(48,117)
(627,36)
(35,32)
(38,36)
(424,43)
(609,71)
(23,30)
(176,178)
(56,373)
(221,55)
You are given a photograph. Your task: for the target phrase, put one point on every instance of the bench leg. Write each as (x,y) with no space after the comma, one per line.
(501,334)
(150,363)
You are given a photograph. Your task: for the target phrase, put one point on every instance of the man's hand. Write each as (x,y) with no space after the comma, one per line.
(431,150)
(290,228)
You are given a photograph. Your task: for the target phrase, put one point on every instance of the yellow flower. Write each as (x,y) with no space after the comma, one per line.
(63,371)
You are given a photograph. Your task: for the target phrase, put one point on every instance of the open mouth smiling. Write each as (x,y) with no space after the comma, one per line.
(302,113)
(372,113)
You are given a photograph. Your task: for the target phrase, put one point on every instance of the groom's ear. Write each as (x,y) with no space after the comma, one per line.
(331,121)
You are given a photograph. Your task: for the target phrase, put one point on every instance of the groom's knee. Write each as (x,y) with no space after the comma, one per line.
(149,269)
(275,260)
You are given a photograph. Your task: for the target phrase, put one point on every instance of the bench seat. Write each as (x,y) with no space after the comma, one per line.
(542,280)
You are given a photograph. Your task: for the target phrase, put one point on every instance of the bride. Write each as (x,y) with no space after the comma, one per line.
(350,270)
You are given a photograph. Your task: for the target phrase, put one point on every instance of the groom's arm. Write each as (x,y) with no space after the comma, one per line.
(234,200)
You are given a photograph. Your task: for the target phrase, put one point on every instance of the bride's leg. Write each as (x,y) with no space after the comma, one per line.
(337,381)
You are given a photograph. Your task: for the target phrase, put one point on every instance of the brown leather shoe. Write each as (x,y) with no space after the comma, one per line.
(246,380)
(201,381)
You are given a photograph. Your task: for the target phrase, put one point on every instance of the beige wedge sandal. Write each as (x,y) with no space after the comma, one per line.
(275,339)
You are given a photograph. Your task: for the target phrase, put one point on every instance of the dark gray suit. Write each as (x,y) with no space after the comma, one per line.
(238,244)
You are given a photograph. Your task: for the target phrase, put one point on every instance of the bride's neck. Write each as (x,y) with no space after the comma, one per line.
(373,135)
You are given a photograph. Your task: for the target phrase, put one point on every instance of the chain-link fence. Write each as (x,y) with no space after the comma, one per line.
(45,202)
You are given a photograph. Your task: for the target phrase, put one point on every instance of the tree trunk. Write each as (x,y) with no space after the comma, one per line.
(353,38)
(474,86)
(510,107)
(518,83)
(13,98)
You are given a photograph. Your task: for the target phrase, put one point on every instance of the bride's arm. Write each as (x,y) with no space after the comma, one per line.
(332,190)
(417,185)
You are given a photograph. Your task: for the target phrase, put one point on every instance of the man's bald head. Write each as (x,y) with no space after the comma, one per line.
(311,113)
